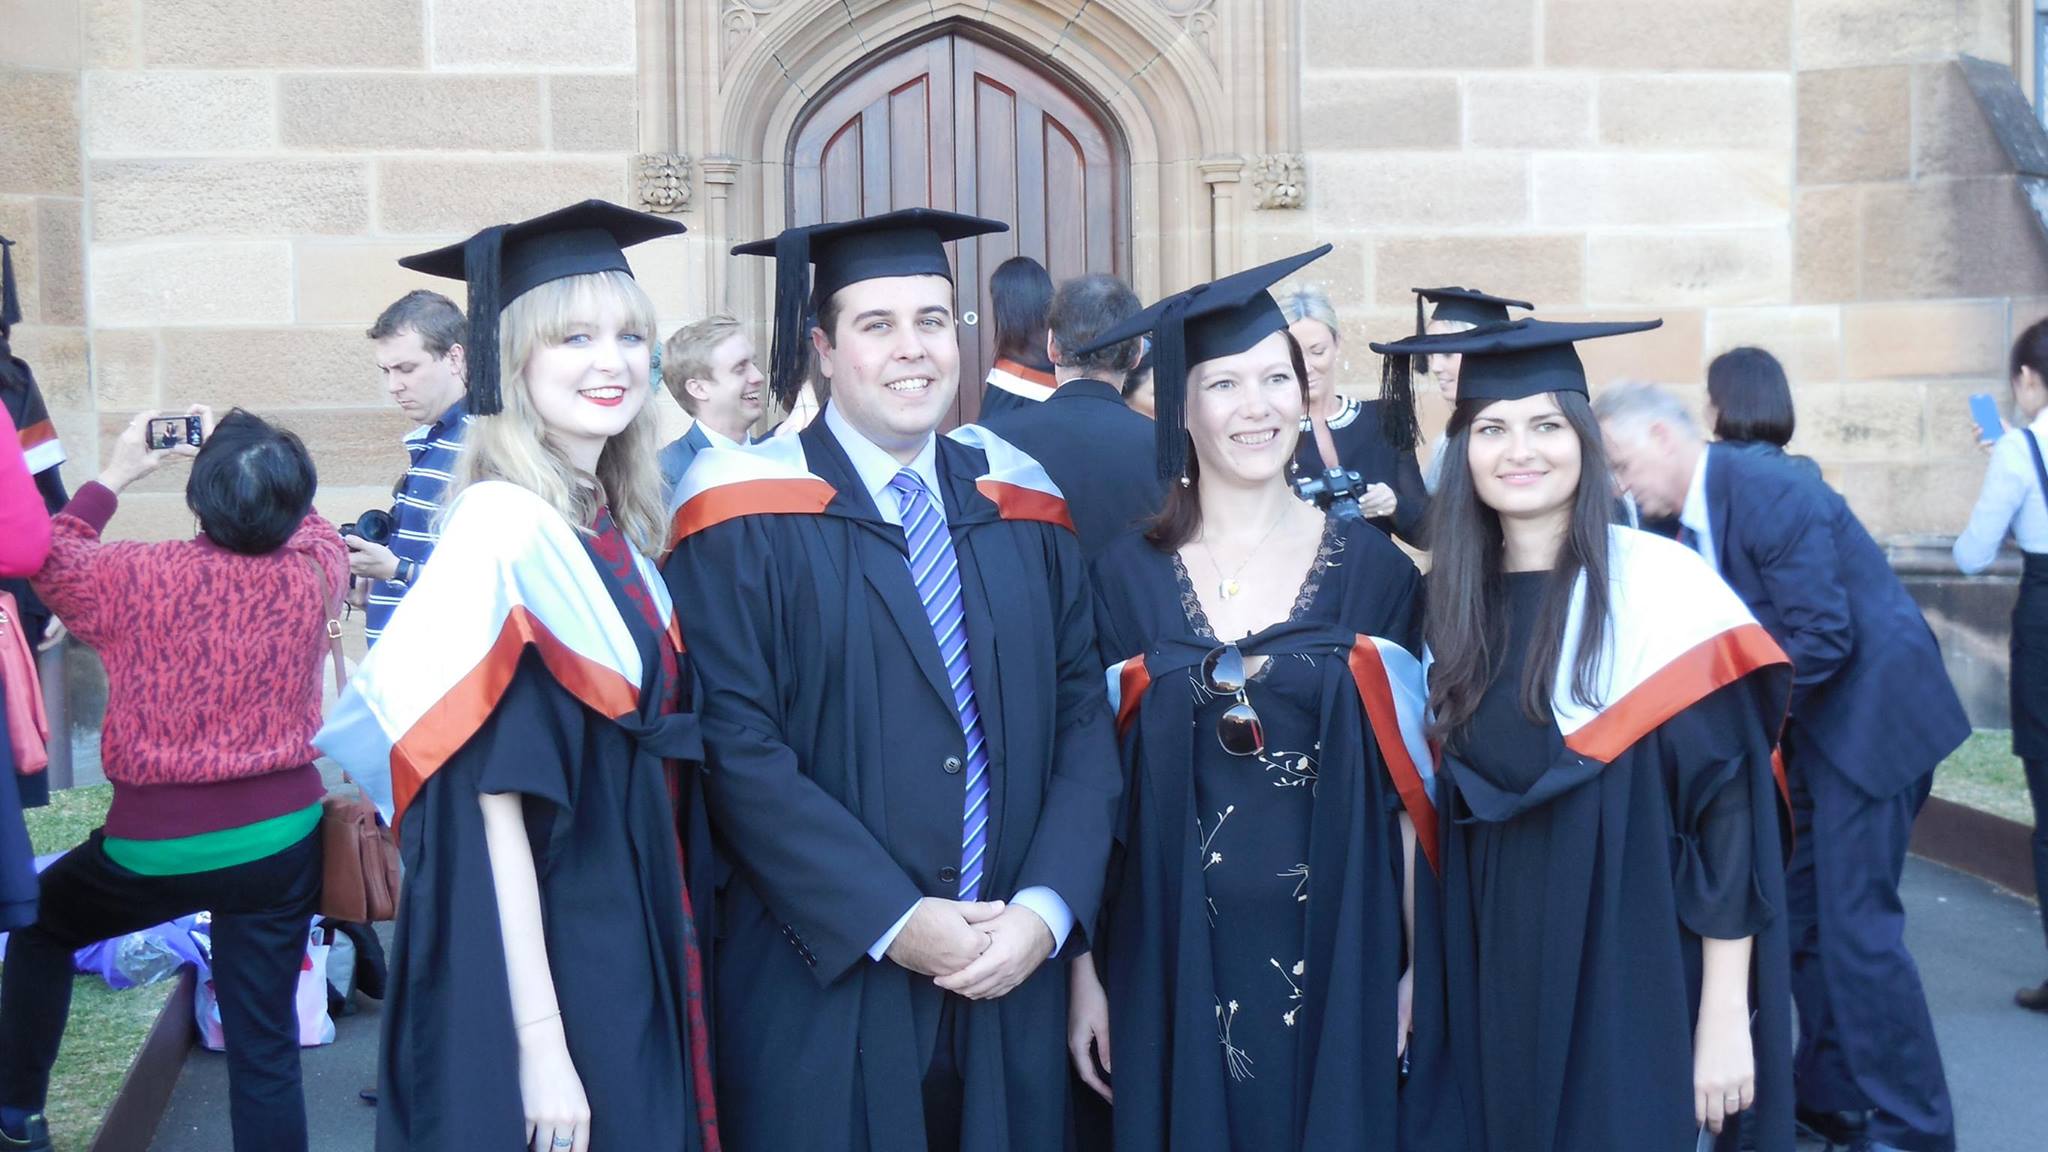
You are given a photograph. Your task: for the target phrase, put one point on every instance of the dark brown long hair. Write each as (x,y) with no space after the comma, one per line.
(1181,516)
(1466,588)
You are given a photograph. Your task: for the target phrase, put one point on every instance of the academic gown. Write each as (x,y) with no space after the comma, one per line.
(1180,939)
(1584,859)
(1362,447)
(836,791)
(602,809)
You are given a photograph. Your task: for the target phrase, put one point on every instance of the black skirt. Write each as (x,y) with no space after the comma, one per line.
(2029,676)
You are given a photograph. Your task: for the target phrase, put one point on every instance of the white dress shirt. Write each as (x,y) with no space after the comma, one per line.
(876,468)
(2009,503)
(1694,514)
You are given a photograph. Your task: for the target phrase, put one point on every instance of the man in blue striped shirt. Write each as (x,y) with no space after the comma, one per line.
(419,351)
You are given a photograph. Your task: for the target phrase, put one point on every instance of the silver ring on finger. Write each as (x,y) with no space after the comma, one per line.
(563,1142)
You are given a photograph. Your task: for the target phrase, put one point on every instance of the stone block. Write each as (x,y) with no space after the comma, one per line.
(1348,110)
(1688,269)
(57,355)
(407,112)
(1862,421)
(1951,429)
(1421,189)
(18,223)
(1937,338)
(459,196)
(1670,355)
(270,368)
(164,113)
(40,34)
(351,446)
(1807,340)
(1855,124)
(209,282)
(1843,33)
(60,260)
(1405,34)
(284,33)
(2028,311)
(531,34)
(1591,190)
(1700,111)
(1953,238)
(1528,110)
(1827,228)
(669,269)
(1712,34)
(593,113)
(350,282)
(124,369)
(137,199)
(1951,134)
(108,31)
(1548,271)
(152,516)
(39,122)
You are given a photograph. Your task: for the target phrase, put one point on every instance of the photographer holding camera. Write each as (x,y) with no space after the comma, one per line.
(213,648)
(419,351)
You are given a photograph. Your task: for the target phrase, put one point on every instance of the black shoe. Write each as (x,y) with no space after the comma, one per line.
(36,1136)
(2034,999)
(1834,1129)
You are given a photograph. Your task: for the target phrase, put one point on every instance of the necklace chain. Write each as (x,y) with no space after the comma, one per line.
(1227,586)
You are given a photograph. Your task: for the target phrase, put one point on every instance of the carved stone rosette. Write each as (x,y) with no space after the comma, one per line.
(664,182)
(1279,181)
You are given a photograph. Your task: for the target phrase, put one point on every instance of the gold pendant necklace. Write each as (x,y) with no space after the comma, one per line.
(1227,587)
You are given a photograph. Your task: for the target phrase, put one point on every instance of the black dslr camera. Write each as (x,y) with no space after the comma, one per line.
(1335,491)
(374,526)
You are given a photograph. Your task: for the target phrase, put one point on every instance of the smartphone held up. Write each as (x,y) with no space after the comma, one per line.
(165,432)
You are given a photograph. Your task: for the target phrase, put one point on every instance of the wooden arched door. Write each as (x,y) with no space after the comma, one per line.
(953,122)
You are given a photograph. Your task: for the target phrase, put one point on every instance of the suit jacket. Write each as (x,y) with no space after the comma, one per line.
(676,459)
(1869,692)
(1099,452)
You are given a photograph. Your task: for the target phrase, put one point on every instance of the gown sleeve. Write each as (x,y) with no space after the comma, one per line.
(1716,755)
(533,745)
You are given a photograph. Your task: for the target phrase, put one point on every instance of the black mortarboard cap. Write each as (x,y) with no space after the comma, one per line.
(1397,390)
(907,242)
(505,261)
(10,302)
(1220,318)
(1516,359)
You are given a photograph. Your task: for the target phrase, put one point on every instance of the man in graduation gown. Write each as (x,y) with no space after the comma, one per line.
(1873,714)
(1094,447)
(910,766)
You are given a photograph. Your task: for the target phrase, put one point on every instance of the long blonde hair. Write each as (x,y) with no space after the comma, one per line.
(513,446)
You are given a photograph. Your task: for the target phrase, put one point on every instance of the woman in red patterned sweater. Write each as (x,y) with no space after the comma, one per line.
(213,649)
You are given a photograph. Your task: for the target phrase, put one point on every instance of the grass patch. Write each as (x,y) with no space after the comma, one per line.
(106,1027)
(1985,775)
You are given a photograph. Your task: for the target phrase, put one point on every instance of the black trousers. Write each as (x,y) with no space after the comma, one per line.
(261,913)
(945,1091)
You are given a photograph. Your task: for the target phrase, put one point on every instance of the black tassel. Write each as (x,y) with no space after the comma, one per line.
(789,357)
(1397,403)
(10,302)
(1421,321)
(481,259)
(1170,389)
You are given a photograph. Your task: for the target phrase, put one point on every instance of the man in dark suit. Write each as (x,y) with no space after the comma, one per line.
(1873,714)
(1096,449)
(710,368)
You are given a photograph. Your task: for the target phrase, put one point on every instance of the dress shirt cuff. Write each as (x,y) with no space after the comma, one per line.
(881,947)
(1051,909)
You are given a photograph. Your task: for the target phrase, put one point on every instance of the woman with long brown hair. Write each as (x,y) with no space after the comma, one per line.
(1255,939)
(1614,939)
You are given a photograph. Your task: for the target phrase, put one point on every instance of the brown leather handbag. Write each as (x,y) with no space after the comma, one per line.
(360,854)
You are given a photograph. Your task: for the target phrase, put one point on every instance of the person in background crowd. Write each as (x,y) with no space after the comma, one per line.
(2012,503)
(1095,449)
(1020,295)
(710,368)
(24,542)
(44,454)
(420,351)
(1873,714)
(1749,406)
(1615,934)
(548,931)
(1452,310)
(213,648)
(1260,649)
(1137,387)
(1365,436)
(908,754)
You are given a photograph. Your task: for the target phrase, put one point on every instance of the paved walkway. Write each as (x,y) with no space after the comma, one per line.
(1975,944)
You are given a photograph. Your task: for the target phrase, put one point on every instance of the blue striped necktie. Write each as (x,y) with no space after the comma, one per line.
(936,572)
